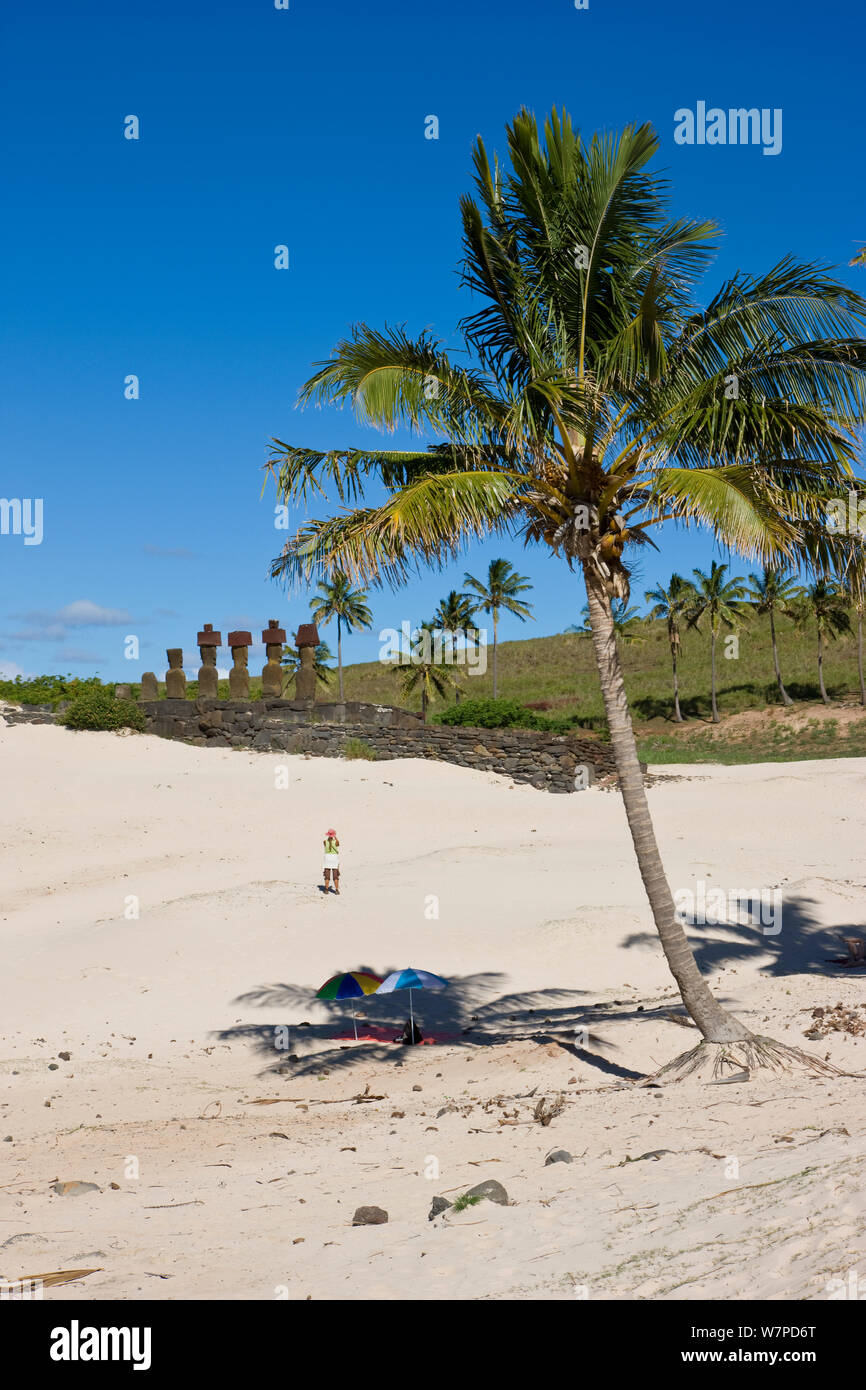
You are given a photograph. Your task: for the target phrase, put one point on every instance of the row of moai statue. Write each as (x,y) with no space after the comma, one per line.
(209,642)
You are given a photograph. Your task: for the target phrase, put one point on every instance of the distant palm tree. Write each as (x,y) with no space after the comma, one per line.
(500,591)
(291,663)
(627,623)
(854,583)
(337,599)
(456,617)
(855,577)
(826,604)
(775,591)
(719,600)
(431,677)
(672,604)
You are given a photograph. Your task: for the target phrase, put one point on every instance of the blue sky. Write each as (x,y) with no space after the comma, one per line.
(305,127)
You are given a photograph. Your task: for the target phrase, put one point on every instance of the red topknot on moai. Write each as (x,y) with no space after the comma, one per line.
(239,676)
(306,641)
(208,681)
(274,638)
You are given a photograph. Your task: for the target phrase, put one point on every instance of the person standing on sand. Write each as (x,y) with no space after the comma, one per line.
(332,860)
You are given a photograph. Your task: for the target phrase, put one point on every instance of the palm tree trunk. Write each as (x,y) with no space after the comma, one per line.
(786,699)
(715,1023)
(821,668)
(340,655)
(713,675)
(860,655)
(495,625)
(677,716)
(452,642)
(423,704)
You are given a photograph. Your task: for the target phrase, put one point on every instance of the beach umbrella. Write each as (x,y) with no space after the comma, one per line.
(411,979)
(354,984)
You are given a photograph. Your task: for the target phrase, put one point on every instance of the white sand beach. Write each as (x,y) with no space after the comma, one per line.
(531,905)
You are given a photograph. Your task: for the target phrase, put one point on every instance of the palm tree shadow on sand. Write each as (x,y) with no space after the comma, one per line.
(470,1013)
(794,942)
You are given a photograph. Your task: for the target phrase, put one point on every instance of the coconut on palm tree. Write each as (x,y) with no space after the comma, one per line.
(499,593)
(825,604)
(672,604)
(775,591)
(593,408)
(337,599)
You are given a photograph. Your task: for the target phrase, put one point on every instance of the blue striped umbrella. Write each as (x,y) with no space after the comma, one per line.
(411,979)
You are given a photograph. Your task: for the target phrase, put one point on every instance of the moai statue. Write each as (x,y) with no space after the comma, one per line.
(208,680)
(306,641)
(274,638)
(123,692)
(149,687)
(175,680)
(239,676)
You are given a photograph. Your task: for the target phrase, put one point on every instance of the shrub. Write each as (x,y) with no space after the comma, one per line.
(45,690)
(511,714)
(357,748)
(492,714)
(97,708)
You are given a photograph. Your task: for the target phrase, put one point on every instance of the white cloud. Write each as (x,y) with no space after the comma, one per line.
(51,632)
(82,612)
(76,657)
(160,552)
(8,670)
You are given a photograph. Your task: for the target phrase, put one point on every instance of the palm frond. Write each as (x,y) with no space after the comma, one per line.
(428,521)
(730,501)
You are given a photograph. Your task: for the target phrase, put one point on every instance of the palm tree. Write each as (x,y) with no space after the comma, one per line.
(455,615)
(775,591)
(721,601)
(826,604)
(429,676)
(337,599)
(854,582)
(500,591)
(855,578)
(672,603)
(291,663)
(592,408)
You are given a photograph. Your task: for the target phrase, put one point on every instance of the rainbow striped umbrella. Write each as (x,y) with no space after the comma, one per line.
(354,984)
(411,979)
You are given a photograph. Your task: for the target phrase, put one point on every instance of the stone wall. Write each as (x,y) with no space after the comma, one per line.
(548,761)
(27,714)
(545,760)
